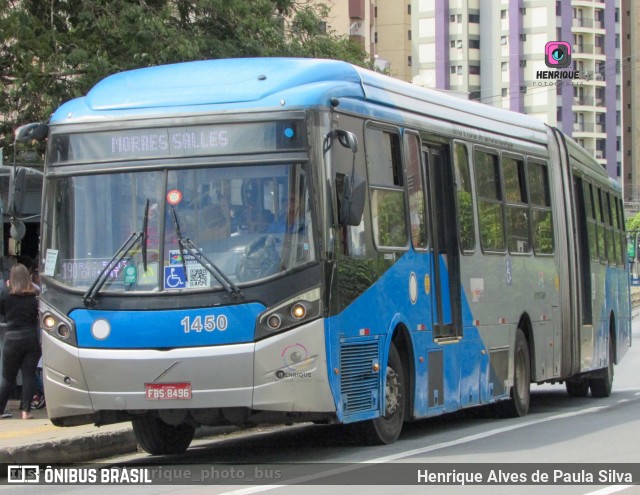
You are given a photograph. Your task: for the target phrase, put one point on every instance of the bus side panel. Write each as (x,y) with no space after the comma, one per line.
(446,375)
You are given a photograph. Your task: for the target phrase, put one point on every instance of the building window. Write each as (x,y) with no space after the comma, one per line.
(452,43)
(523,37)
(523,63)
(452,18)
(474,69)
(474,18)
(503,14)
(409,35)
(409,9)
(409,61)
(474,43)
(504,40)
(505,92)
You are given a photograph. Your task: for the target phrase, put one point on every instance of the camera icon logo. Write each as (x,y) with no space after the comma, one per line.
(557,54)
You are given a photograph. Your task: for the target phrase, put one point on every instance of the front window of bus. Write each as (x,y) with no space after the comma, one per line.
(250,222)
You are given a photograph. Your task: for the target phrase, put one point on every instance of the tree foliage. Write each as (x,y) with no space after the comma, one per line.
(633,223)
(56,50)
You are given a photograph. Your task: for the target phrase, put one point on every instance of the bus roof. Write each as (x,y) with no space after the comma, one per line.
(222,85)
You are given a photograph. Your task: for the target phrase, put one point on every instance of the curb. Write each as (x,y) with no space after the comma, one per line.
(87,448)
(73,449)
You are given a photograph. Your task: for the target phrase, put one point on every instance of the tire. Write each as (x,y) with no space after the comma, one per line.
(577,387)
(386,429)
(601,386)
(159,438)
(518,404)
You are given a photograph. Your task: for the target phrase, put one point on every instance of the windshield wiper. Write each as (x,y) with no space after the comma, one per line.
(89,297)
(145,235)
(187,244)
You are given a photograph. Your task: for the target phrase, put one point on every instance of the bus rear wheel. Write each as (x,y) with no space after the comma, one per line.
(159,438)
(601,386)
(518,404)
(577,387)
(386,429)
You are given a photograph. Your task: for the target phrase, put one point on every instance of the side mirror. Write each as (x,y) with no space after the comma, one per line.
(36,130)
(17,190)
(351,199)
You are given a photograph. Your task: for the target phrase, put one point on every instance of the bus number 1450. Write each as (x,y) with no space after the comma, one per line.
(208,323)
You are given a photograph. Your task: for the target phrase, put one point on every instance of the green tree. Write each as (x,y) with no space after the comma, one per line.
(633,223)
(53,51)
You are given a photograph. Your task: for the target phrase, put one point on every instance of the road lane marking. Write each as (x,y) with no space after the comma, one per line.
(610,489)
(422,450)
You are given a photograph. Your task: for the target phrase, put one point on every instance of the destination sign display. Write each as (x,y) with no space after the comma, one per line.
(136,144)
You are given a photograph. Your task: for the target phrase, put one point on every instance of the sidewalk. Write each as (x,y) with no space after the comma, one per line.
(37,441)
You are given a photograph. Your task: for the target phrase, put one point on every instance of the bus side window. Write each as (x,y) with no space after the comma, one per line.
(591,221)
(540,203)
(490,205)
(620,231)
(612,238)
(602,234)
(466,220)
(415,187)
(388,209)
(519,240)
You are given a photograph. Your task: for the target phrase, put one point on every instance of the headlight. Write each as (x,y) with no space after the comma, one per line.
(290,313)
(57,325)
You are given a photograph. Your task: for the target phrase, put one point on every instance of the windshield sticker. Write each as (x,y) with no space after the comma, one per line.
(175,257)
(130,275)
(174,197)
(50,262)
(150,277)
(198,277)
(174,277)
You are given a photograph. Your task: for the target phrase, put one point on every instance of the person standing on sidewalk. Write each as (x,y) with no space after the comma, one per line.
(21,347)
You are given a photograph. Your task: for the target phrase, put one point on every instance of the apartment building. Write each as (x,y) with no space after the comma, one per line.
(493,51)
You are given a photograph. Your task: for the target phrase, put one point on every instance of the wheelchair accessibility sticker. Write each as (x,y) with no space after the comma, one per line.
(174,277)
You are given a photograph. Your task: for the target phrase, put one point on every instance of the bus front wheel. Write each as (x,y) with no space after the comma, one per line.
(386,429)
(159,438)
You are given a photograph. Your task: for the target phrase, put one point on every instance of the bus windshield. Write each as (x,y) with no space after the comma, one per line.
(250,222)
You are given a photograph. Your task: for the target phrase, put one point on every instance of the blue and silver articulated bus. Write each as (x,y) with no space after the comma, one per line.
(286,240)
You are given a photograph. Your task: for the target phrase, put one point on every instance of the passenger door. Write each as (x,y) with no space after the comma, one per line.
(447,318)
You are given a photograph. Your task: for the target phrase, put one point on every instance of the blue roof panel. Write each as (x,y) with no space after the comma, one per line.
(222,83)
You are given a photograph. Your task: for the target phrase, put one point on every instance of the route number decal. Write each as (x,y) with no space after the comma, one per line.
(208,323)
